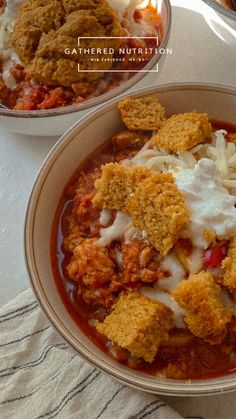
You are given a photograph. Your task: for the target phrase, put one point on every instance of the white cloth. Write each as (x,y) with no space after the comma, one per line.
(42,377)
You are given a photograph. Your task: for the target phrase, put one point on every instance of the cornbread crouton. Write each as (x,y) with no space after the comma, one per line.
(142,114)
(116,185)
(101,9)
(137,324)
(158,208)
(205,313)
(182,132)
(90,264)
(44,28)
(229,264)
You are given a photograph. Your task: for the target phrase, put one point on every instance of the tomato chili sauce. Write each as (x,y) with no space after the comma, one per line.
(31,95)
(190,357)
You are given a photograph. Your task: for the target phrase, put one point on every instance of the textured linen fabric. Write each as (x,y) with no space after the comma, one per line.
(42,377)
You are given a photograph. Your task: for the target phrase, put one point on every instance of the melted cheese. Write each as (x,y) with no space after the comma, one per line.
(223,153)
(119,257)
(171,264)
(121,224)
(195,261)
(105,217)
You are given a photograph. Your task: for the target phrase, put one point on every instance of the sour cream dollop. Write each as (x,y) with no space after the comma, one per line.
(211,205)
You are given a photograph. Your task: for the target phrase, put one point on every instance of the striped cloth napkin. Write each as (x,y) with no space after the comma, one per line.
(42,377)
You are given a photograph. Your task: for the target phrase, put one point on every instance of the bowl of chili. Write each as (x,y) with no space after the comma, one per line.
(58,199)
(32,105)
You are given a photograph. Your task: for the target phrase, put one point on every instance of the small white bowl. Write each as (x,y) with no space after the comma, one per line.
(75,146)
(53,122)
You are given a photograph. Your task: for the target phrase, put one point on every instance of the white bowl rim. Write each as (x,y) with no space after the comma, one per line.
(221,9)
(167,387)
(101,99)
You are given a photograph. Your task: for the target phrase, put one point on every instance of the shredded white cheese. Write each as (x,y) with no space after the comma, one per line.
(223,153)
(162,161)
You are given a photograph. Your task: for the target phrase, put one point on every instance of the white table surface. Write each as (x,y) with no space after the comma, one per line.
(203,51)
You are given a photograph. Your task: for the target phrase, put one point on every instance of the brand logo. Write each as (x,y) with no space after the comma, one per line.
(131,54)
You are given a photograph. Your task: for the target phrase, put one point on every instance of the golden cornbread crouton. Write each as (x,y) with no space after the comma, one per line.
(158,208)
(116,185)
(34,18)
(112,188)
(45,28)
(229,264)
(137,324)
(142,114)
(182,132)
(100,8)
(90,264)
(205,313)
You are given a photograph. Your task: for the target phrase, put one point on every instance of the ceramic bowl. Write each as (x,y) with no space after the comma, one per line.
(75,146)
(229,14)
(53,122)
